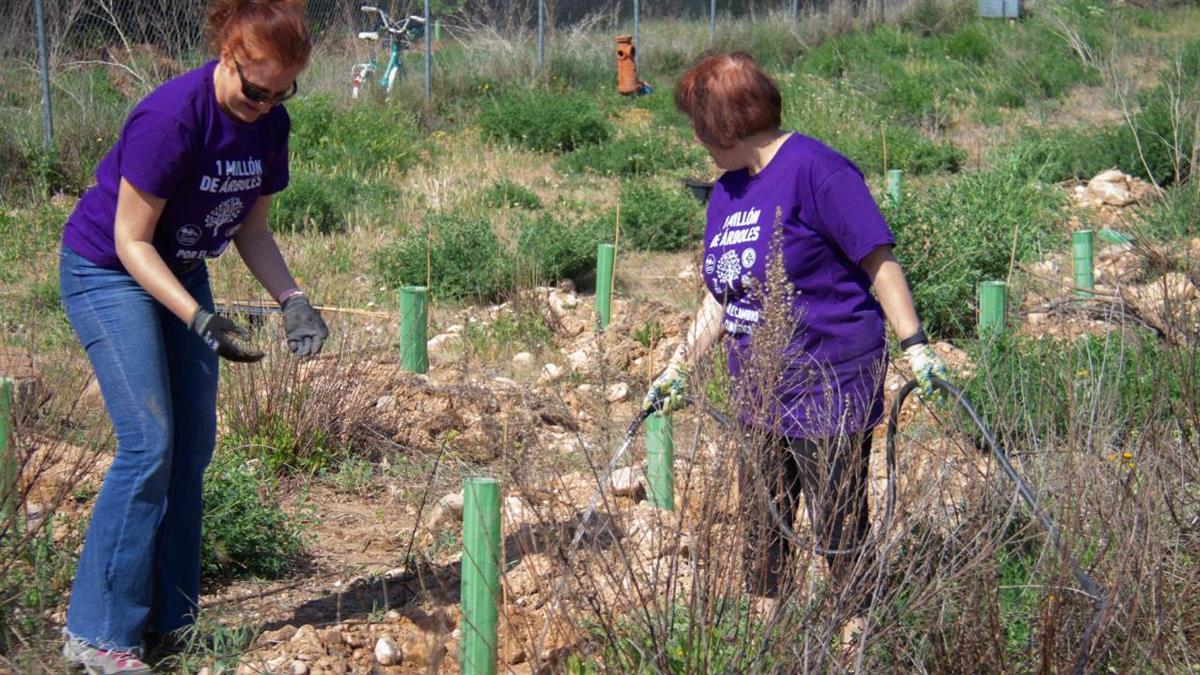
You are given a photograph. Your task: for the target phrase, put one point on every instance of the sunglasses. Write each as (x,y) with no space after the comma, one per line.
(259,95)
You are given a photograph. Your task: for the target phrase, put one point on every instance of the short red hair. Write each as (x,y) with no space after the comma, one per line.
(728,97)
(260,29)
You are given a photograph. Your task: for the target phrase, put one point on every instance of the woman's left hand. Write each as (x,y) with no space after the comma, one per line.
(926,365)
(306,330)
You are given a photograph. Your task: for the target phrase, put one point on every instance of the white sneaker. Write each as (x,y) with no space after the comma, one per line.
(98,661)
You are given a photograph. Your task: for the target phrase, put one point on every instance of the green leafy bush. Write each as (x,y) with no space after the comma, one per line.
(637,154)
(953,237)
(545,120)
(1175,216)
(507,194)
(550,249)
(851,123)
(324,202)
(655,217)
(465,259)
(1027,389)
(360,139)
(246,532)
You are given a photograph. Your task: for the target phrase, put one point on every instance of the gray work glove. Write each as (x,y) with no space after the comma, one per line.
(223,336)
(306,331)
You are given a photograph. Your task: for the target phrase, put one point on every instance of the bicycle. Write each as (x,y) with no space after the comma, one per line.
(401,35)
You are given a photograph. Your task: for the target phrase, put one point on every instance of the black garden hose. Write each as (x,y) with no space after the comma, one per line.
(1090,587)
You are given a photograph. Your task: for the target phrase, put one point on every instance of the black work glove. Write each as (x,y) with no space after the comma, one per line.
(306,331)
(222,336)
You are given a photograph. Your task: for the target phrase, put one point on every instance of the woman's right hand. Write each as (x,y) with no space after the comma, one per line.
(222,336)
(668,392)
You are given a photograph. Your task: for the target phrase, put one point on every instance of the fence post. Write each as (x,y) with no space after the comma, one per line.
(428,57)
(541,35)
(712,23)
(44,67)
(637,17)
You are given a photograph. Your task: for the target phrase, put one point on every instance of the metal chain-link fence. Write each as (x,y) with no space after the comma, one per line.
(151,40)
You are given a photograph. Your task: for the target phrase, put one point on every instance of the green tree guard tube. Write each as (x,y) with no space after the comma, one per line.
(480,575)
(414,324)
(1081,254)
(8,462)
(895,186)
(605,259)
(660,456)
(993,306)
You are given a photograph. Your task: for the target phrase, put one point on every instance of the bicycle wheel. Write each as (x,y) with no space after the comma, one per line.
(391,81)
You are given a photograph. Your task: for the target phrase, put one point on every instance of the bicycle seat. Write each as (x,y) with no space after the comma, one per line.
(368,35)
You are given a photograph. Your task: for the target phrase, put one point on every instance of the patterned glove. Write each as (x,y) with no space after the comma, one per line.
(926,365)
(668,392)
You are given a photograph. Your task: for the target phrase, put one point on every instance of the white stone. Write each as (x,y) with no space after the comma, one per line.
(385,401)
(299,667)
(387,652)
(439,343)
(505,382)
(453,503)
(522,359)
(551,372)
(455,329)
(626,482)
(515,511)
(578,359)
(617,393)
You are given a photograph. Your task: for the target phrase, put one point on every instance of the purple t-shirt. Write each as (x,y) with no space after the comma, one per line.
(179,145)
(832,364)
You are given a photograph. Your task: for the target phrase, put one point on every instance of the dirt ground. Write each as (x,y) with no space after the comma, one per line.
(378,589)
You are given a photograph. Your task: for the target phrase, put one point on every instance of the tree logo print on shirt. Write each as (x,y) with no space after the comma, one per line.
(729,268)
(188,235)
(224,214)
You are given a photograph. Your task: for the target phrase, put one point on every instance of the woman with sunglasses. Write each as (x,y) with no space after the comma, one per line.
(193,170)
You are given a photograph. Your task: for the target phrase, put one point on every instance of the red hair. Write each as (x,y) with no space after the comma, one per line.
(260,29)
(728,97)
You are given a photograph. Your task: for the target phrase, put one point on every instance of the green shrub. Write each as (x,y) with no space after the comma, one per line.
(359,139)
(27,235)
(465,259)
(1175,216)
(1027,389)
(544,120)
(659,218)
(969,44)
(953,237)
(246,532)
(506,194)
(935,17)
(320,202)
(850,123)
(549,249)
(638,154)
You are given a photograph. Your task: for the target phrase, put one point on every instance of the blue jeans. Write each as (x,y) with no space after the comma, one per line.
(140,566)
